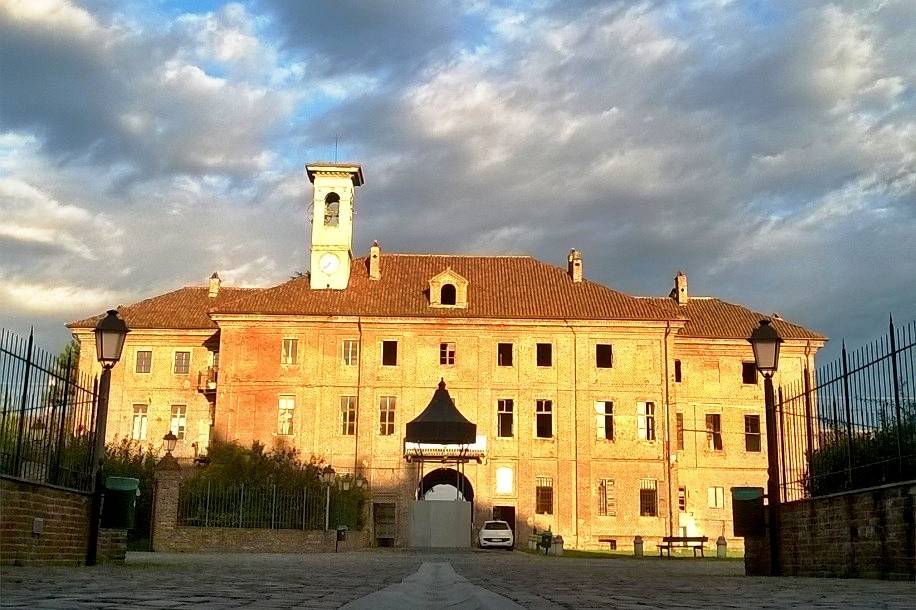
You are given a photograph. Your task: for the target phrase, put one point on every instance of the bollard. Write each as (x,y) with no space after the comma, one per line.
(637,546)
(721,547)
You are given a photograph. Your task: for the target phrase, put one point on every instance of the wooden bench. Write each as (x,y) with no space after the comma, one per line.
(694,542)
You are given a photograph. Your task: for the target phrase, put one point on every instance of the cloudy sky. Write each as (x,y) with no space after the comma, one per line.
(767,149)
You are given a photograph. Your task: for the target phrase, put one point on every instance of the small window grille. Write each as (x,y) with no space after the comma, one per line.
(544,496)
(648,498)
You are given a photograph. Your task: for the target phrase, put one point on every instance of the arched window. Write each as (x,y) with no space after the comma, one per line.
(331,209)
(447,294)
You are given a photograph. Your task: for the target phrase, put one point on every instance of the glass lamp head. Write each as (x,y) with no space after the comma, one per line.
(765,342)
(110,333)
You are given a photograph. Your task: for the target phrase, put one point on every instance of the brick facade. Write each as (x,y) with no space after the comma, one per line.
(869,534)
(62,534)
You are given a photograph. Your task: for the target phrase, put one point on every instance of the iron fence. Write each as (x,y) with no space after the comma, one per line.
(247,506)
(47,416)
(852,423)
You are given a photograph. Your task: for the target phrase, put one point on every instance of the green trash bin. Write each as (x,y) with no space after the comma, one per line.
(120,502)
(748,514)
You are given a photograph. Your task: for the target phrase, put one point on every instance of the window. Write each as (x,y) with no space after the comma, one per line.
(752,433)
(389,353)
(604,356)
(607,506)
(182,363)
(682,499)
(504,417)
(716,497)
(350,352)
(677,371)
(286,407)
(138,426)
(714,432)
(679,430)
(332,210)
(447,294)
(348,415)
(544,414)
(544,496)
(648,498)
(179,420)
(604,420)
(504,354)
(144,361)
(290,351)
(447,353)
(386,408)
(749,373)
(544,354)
(504,480)
(646,420)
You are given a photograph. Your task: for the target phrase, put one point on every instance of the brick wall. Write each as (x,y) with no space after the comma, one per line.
(64,529)
(249,540)
(168,536)
(867,534)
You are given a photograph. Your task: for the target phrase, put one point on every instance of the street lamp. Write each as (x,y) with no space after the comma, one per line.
(110,333)
(170,441)
(344,483)
(765,342)
(327,477)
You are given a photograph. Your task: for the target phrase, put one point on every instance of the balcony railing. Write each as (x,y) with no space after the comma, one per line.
(206,380)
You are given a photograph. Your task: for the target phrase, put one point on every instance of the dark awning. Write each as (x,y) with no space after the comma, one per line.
(441,423)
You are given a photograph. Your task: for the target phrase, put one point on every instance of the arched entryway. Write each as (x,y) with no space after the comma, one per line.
(445,484)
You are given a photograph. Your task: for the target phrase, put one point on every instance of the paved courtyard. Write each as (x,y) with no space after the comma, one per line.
(153,580)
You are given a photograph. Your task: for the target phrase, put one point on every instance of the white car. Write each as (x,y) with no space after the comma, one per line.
(496,534)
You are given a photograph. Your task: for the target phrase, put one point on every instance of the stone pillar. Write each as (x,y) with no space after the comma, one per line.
(167,478)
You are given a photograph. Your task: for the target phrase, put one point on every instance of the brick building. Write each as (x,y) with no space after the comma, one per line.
(599,414)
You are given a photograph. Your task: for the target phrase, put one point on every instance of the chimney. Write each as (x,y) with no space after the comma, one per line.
(375,268)
(574,267)
(214,285)
(679,292)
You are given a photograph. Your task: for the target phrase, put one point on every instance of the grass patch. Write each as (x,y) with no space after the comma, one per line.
(676,554)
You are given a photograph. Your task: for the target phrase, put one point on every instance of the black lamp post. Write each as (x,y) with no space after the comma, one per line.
(110,333)
(766,341)
(327,478)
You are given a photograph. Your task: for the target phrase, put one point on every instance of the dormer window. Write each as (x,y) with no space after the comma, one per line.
(447,294)
(448,289)
(331,210)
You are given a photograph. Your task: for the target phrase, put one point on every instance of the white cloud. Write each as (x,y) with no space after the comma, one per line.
(65,300)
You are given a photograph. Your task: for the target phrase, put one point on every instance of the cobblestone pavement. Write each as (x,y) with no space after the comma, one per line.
(152,580)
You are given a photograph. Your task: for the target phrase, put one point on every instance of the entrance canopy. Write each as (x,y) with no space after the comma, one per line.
(441,423)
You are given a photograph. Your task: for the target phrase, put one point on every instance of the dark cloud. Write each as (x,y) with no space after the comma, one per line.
(390,36)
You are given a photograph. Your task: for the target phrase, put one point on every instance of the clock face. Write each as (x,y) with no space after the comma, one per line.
(329,263)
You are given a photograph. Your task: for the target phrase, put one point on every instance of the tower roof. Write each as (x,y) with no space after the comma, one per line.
(326,167)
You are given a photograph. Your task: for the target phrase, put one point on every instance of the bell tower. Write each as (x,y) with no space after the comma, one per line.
(332,222)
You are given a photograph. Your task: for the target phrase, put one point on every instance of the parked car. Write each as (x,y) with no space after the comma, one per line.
(496,534)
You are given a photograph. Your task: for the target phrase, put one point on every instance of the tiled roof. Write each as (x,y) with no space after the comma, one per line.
(713,318)
(500,287)
(504,287)
(183,309)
